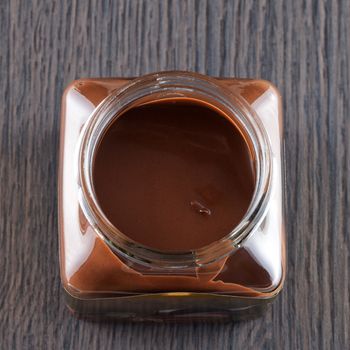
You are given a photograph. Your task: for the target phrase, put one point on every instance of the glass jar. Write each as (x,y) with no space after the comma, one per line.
(105,273)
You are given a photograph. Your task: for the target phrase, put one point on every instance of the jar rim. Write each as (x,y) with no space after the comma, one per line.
(174,84)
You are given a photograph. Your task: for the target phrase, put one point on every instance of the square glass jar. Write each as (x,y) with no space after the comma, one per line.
(105,275)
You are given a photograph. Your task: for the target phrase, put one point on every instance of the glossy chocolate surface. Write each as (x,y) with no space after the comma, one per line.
(173,175)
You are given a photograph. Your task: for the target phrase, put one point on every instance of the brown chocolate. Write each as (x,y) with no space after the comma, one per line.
(173,175)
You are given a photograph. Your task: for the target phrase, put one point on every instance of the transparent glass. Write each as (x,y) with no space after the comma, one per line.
(106,274)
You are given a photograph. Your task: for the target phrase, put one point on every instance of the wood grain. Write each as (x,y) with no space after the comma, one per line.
(302,46)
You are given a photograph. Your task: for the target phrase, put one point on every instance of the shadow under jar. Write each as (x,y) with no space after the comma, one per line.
(170,197)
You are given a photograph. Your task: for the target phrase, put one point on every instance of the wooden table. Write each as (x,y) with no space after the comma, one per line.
(301,46)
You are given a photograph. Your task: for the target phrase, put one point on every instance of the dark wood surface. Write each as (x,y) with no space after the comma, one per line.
(301,46)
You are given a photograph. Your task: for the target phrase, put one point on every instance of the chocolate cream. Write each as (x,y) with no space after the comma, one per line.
(173,175)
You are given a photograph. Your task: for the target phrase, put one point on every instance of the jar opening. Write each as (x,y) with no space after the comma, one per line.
(97,170)
(173,173)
